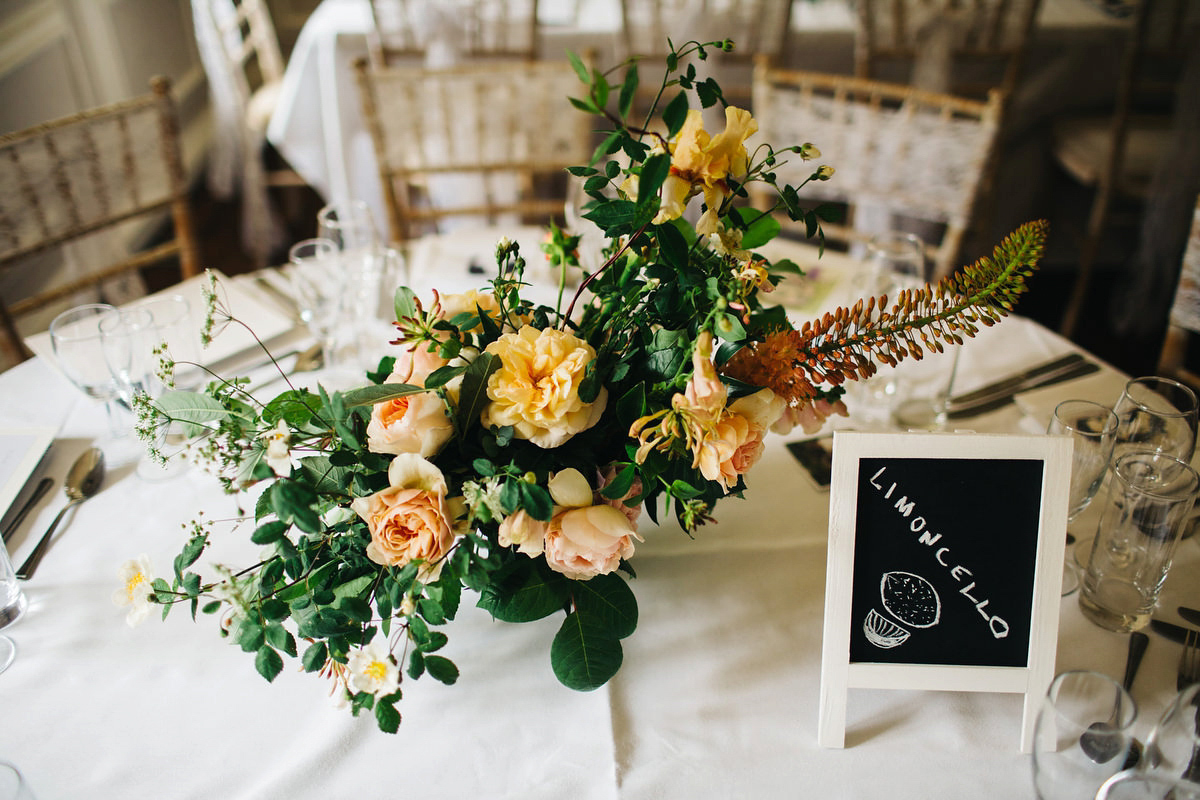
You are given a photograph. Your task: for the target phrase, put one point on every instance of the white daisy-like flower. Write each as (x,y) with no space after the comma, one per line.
(135,589)
(372,670)
(279,451)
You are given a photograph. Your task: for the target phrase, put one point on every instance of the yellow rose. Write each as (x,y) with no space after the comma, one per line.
(536,388)
(582,543)
(411,519)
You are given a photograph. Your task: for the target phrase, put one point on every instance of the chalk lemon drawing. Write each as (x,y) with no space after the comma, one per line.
(882,632)
(910,599)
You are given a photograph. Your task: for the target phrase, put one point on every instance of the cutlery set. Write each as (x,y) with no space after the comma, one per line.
(1000,393)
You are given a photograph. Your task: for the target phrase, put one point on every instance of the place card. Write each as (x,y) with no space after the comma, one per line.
(945,567)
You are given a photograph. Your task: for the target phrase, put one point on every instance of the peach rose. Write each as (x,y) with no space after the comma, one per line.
(536,389)
(634,512)
(523,531)
(416,423)
(411,520)
(582,543)
(414,362)
(738,442)
(811,416)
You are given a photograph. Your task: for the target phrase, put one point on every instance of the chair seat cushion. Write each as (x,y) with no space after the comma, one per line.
(1082,147)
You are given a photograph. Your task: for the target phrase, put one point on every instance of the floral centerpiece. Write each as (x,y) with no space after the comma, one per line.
(504,451)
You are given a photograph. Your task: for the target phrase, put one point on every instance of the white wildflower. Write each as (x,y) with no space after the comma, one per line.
(135,589)
(279,451)
(372,670)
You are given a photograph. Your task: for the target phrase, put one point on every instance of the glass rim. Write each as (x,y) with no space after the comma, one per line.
(1146,380)
(1130,455)
(75,313)
(1121,693)
(1112,422)
(316,242)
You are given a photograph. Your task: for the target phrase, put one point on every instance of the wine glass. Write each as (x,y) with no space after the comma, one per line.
(1093,431)
(127,341)
(319,284)
(1137,784)
(1173,747)
(1082,735)
(180,331)
(12,606)
(1155,414)
(350,226)
(77,344)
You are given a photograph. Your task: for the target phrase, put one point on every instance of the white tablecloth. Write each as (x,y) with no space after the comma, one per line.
(717,696)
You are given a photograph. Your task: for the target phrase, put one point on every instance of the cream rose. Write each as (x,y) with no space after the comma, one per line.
(411,519)
(417,423)
(524,532)
(536,389)
(582,543)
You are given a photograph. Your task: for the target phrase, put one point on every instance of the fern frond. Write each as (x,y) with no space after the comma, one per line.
(848,343)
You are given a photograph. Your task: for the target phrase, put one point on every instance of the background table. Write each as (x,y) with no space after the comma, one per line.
(717,696)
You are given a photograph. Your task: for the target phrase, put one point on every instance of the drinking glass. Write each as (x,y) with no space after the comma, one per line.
(12,606)
(127,341)
(180,330)
(914,393)
(12,783)
(1150,496)
(1157,414)
(1173,747)
(76,341)
(1136,784)
(1093,429)
(1154,414)
(319,285)
(350,226)
(1082,735)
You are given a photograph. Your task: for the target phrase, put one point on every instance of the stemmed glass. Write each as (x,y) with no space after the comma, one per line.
(365,263)
(1082,736)
(12,606)
(76,340)
(1173,747)
(1155,414)
(896,262)
(1093,431)
(319,284)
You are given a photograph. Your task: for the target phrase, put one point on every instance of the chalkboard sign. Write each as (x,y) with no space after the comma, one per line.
(945,566)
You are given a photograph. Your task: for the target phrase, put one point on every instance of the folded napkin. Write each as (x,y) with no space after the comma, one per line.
(1102,387)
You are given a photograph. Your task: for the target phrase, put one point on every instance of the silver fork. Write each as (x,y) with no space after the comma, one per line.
(1189,662)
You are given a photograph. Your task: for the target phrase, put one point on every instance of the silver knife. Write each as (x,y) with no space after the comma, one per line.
(998,395)
(39,492)
(1176,633)
(1192,615)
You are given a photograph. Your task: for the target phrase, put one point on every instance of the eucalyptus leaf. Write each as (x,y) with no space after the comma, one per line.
(370,395)
(584,655)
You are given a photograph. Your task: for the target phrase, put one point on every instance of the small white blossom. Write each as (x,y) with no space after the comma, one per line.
(372,670)
(279,452)
(824,173)
(135,589)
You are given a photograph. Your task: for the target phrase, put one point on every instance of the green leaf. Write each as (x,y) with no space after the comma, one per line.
(760,228)
(580,68)
(672,246)
(387,717)
(524,590)
(404,302)
(628,91)
(268,663)
(279,638)
(684,490)
(269,532)
(584,655)
(192,409)
(370,395)
(600,89)
(315,657)
(292,501)
(416,664)
(621,483)
(473,395)
(536,501)
(609,603)
(612,213)
(586,106)
(443,375)
(442,669)
(611,144)
(654,172)
(675,114)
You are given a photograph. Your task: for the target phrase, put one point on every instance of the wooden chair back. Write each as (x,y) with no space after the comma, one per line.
(757,27)
(482,121)
(401,29)
(918,154)
(86,173)
(250,45)
(905,30)
(1183,323)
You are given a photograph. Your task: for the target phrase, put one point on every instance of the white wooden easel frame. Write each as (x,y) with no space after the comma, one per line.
(839,675)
